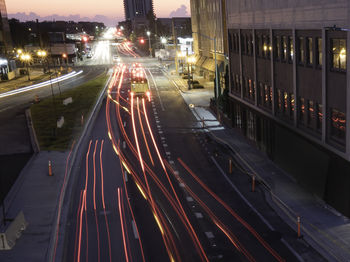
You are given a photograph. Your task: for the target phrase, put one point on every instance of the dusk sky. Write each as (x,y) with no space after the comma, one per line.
(112,9)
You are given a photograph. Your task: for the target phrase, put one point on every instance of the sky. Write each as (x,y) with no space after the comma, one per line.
(108,10)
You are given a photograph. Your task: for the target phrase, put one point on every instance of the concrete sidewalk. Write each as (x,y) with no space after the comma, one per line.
(321,226)
(36,194)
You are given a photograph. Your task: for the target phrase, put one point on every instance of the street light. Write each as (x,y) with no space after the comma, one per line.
(42,54)
(190,61)
(181,55)
(25,57)
(149,43)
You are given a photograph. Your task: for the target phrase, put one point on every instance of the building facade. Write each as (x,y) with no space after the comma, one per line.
(289,88)
(208,22)
(5,41)
(138,12)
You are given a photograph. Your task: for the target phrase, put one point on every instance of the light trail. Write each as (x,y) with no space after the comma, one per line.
(122,225)
(77,224)
(94,200)
(104,205)
(60,202)
(143,132)
(234,214)
(192,232)
(81,224)
(42,84)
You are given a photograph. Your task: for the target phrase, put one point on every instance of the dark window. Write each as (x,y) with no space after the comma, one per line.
(309,50)
(319,117)
(284,47)
(301,53)
(277,47)
(302,111)
(291,49)
(250,45)
(339,54)
(338,123)
(319,51)
(279,101)
(243,45)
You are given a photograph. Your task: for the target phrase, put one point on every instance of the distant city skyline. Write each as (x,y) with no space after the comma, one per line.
(107,11)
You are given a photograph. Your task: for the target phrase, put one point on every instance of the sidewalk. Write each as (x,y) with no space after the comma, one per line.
(35,193)
(322,227)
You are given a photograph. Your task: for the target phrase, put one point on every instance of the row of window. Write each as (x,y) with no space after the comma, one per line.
(309,49)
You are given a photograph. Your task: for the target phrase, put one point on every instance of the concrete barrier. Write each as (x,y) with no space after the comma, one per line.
(13,232)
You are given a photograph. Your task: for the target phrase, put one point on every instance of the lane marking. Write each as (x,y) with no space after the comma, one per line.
(209,234)
(134,229)
(160,132)
(171,162)
(189,199)
(198,215)
(162,138)
(165,145)
(126,176)
(155,85)
(182,185)
(167,153)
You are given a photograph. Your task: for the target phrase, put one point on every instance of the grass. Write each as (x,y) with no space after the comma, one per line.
(47,111)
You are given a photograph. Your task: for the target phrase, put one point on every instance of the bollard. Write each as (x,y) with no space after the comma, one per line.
(298,223)
(50,169)
(82,119)
(253,183)
(230,166)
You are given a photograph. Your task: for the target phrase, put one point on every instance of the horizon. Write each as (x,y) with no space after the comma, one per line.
(36,9)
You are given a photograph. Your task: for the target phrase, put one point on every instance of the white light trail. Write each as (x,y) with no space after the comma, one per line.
(42,84)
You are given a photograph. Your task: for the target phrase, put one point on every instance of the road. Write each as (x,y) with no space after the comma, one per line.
(150,188)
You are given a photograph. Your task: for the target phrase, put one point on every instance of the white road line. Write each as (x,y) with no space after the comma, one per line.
(209,235)
(155,85)
(182,185)
(124,124)
(162,138)
(126,176)
(171,162)
(198,215)
(167,153)
(160,132)
(240,194)
(189,199)
(124,144)
(165,145)
(134,229)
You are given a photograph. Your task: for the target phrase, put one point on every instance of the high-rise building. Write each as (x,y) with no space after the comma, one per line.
(290,88)
(5,40)
(138,9)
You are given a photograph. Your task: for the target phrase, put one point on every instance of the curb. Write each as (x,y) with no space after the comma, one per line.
(67,192)
(33,137)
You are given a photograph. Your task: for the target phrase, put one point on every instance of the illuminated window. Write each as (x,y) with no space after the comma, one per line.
(339,54)
(309,51)
(310,113)
(291,49)
(319,117)
(319,51)
(284,46)
(302,111)
(301,53)
(279,99)
(292,106)
(285,102)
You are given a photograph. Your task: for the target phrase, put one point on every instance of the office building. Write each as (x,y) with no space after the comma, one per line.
(5,41)
(289,88)
(139,12)
(208,22)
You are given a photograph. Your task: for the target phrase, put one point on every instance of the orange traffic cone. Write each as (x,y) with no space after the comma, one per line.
(50,169)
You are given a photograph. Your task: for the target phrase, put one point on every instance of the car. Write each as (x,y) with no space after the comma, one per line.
(89,55)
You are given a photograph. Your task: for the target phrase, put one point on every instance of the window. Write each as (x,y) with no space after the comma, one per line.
(279,99)
(291,49)
(319,51)
(338,123)
(267,47)
(339,54)
(261,95)
(250,45)
(284,46)
(309,51)
(302,111)
(319,117)
(301,50)
(292,106)
(243,44)
(310,113)
(285,106)
(250,86)
(277,54)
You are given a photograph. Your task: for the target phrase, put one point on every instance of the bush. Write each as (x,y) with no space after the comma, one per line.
(198,86)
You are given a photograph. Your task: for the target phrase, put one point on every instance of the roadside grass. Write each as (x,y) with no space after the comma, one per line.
(46,113)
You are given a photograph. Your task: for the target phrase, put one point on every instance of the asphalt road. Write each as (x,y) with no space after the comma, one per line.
(157,159)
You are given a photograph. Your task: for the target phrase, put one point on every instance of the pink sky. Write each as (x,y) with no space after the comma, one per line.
(89,8)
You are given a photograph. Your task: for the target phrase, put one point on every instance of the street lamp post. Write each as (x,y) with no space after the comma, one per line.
(190,61)
(149,43)
(26,58)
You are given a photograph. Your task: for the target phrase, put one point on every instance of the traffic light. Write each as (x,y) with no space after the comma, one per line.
(142,41)
(85,38)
